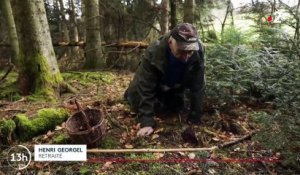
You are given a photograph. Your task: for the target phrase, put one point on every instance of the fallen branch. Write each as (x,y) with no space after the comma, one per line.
(68,88)
(15,110)
(129,51)
(127,44)
(113,121)
(214,134)
(226,144)
(5,75)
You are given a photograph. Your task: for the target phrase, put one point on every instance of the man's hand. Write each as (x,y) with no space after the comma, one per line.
(145,131)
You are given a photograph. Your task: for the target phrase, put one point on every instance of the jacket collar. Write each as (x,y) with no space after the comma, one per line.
(159,59)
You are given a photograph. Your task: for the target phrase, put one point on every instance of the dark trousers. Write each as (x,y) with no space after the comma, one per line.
(171,101)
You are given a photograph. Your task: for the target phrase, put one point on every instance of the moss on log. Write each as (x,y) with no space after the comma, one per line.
(45,120)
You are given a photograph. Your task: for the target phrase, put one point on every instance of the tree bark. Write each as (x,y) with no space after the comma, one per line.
(164,17)
(73,23)
(93,40)
(12,33)
(231,14)
(201,26)
(74,36)
(65,32)
(189,10)
(297,33)
(39,71)
(173,19)
(228,10)
(82,22)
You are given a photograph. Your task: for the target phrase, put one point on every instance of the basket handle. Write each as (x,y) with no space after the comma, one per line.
(85,118)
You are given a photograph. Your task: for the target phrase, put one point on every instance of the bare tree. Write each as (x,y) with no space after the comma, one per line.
(229,9)
(297,30)
(295,13)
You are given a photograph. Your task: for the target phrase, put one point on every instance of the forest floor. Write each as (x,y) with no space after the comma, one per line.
(104,91)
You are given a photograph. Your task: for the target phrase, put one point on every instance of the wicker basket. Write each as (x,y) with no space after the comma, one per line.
(87,127)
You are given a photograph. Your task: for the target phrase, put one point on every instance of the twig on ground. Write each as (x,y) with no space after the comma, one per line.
(214,134)
(21,100)
(113,121)
(227,144)
(68,88)
(15,110)
(179,118)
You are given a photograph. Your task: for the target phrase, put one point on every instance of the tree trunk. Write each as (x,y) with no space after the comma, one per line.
(297,33)
(12,33)
(74,37)
(93,40)
(228,10)
(65,32)
(189,8)
(200,2)
(231,13)
(201,26)
(82,22)
(164,17)
(73,23)
(173,19)
(39,71)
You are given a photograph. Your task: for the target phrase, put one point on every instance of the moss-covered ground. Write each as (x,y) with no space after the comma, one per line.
(104,90)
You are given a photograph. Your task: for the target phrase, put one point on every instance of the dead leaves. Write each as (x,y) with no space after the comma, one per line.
(107,165)
(158,155)
(128,146)
(191,155)
(129,137)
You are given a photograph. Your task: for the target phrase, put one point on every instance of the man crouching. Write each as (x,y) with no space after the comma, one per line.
(170,65)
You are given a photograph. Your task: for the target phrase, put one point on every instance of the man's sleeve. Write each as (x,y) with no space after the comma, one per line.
(146,88)
(197,90)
